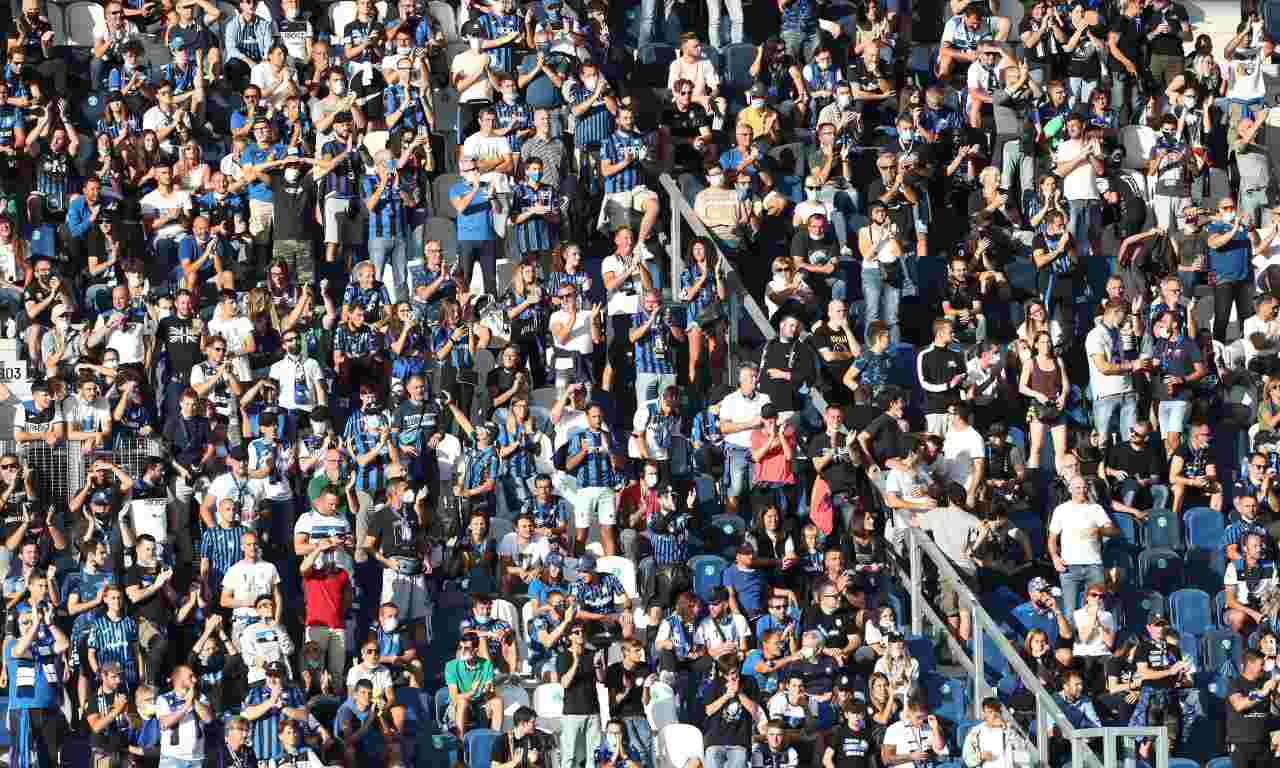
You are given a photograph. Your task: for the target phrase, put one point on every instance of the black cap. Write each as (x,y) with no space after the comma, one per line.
(769,411)
(719,595)
(275,669)
(342,117)
(238,453)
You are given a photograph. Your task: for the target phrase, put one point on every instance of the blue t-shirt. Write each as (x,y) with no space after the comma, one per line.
(1231,262)
(750,587)
(475,222)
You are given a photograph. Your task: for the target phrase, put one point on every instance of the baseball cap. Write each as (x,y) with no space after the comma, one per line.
(719,595)
(769,411)
(1158,618)
(587,563)
(238,453)
(1038,584)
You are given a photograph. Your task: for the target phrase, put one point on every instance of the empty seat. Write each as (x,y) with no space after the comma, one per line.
(1191,611)
(1160,569)
(706,574)
(1161,529)
(1204,528)
(1128,528)
(1219,646)
(478,747)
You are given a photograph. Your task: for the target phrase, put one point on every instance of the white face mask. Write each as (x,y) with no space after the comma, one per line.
(651,481)
(1189,102)
(338,89)
(293,14)
(389,625)
(404,50)
(844,101)
(615,744)
(1229,216)
(715,180)
(811,195)
(509,97)
(590,84)
(291,174)
(475,44)
(757,103)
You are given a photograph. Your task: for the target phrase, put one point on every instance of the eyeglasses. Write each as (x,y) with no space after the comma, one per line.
(684,93)
(1096,594)
(8,466)
(778,607)
(885,167)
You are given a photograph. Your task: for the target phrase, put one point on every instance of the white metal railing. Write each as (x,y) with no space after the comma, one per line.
(738,296)
(1048,714)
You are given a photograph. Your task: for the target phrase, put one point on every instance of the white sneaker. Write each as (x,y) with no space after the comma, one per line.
(846,253)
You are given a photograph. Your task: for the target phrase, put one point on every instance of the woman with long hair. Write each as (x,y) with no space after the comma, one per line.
(882,705)
(566,267)
(775,549)
(525,306)
(1124,685)
(454,343)
(118,122)
(1035,321)
(1045,384)
(191,172)
(900,669)
(1038,654)
(703,290)
(409,343)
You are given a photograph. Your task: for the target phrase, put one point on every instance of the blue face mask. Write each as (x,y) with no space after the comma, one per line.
(533,175)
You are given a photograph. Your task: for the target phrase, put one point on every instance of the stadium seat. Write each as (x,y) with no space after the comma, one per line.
(948,697)
(676,744)
(1218,646)
(1117,560)
(706,574)
(513,697)
(1128,528)
(444,230)
(1182,762)
(499,527)
(1219,762)
(1204,528)
(662,708)
(478,747)
(1220,608)
(653,60)
(736,75)
(1190,610)
(548,704)
(1161,529)
(81,19)
(441,709)
(1139,605)
(440,197)
(1160,569)
(624,569)
(1138,141)
(922,650)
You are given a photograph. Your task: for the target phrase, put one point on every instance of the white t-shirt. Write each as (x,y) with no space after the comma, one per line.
(286,373)
(190,742)
(904,483)
(129,340)
(261,644)
(1093,645)
(1082,183)
(317,526)
(1098,342)
(730,629)
(640,426)
(156,203)
(1071,520)
(907,738)
(1244,75)
(979,77)
(959,449)
(484,147)
(579,335)
(247,580)
(380,676)
(156,119)
(1231,580)
(532,552)
(236,331)
(1271,329)
(248,492)
(86,417)
(739,408)
(470,63)
(625,300)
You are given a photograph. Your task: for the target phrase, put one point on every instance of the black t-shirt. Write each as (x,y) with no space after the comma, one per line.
(835,627)
(181,345)
(852,749)
(507,745)
(115,737)
(37,293)
(858,417)
(839,475)
(1121,668)
(1169,43)
(294,205)
(803,247)
(836,340)
(687,125)
(632,705)
(961,294)
(1130,211)
(396,537)
(1129,40)
(580,695)
(1249,726)
(1157,657)
(731,725)
(155,608)
(1139,463)
(887,438)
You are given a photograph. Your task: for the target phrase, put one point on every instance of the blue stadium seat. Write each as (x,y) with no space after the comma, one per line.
(993,661)
(962,732)
(654,59)
(1138,605)
(479,747)
(1117,557)
(948,697)
(1190,610)
(1219,608)
(922,650)
(1219,646)
(1182,762)
(1160,569)
(1204,528)
(1219,762)
(1161,529)
(1128,528)
(706,574)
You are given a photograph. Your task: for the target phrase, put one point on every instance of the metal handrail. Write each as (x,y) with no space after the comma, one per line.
(921,545)
(738,296)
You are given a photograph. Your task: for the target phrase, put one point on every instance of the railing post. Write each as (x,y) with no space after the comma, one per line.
(1162,749)
(917,612)
(979,671)
(1042,731)
(1109,751)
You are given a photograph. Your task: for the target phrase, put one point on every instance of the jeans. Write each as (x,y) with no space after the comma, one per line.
(297,254)
(1252,201)
(1076,578)
(1104,407)
(486,253)
(639,737)
(1126,98)
(1173,416)
(725,757)
(800,45)
(647,382)
(1015,162)
(737,470)
(843,203)
(579,735)
(396,249)
(670,22)
(1083,220)
(1224,293)
(514,493)
(881,302)
(735,21)
(1079,90)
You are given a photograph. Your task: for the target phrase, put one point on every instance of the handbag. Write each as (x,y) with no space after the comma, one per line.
(891,272)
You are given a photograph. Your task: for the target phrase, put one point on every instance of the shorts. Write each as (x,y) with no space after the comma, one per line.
(950,604)
(594,505)
(339,223)
(262,217)
(475,713)
(409,593)
(1173,416)
(617,207)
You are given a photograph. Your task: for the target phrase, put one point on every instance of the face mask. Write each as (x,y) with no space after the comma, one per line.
(615,744)
(757,103)
(824,65)
(291,174)
(338,89)
(590,85)
(509,97)
(1189,103)
(389,625)
(714,180)
(811,195)
(533,175)
(744,193)
(404,50)
(314,663)
(165,313)
(475,44)
(844,101)
(906,135)
(1229,216)
(651,481)
(1170,132)
(808,653)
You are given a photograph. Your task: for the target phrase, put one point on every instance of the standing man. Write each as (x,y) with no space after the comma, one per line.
(1110,373)
(1076,531)
(591,458)
(33,665)
(184,715)
(654,336)
(1079,162)
(739,417)
(941,370)
(1248,710)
